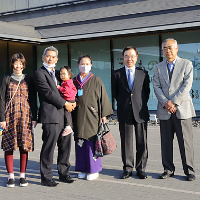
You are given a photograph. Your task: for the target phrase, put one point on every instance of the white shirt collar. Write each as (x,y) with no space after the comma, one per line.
(133,71)
(50,70)
(174,61)
(133,68)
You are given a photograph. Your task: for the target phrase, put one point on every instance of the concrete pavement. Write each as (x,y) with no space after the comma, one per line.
(108,185)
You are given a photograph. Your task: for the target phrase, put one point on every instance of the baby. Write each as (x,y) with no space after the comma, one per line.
(69,92)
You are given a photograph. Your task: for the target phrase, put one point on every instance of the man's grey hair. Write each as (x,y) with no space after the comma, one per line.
(51,48)
(175,42)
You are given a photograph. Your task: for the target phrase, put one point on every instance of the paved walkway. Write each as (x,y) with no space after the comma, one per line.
(108,185)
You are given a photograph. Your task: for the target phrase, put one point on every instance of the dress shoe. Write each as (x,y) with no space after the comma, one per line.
(49,183)
(66,179)
(126,175)
(141,174)
(191,177)
(166,175)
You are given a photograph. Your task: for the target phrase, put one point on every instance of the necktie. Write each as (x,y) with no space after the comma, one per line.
(130,79)
(53,77)
(170,66)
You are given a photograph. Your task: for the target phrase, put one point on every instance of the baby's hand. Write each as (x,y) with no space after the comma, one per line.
(58,86)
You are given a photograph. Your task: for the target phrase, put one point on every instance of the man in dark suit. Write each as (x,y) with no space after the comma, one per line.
(130,87)
(51,115)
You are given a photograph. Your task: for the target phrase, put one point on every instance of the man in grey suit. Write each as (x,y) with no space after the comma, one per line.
(172,83)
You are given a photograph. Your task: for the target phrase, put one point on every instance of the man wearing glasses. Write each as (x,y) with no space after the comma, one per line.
(130,88)
(172,84)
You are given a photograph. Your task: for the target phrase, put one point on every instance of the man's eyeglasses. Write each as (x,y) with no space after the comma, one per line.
(168,48)
(129,57)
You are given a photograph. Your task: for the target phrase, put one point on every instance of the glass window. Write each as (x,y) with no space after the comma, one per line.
(101,62)
(148,57)
(62,55)
(4,63)
(189,48)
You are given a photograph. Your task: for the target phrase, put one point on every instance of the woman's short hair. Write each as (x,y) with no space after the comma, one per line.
(84,56)
(16,57)
(68,68)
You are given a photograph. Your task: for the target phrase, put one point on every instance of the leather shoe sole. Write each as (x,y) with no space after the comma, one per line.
(141,174)
(126,175)
(66,179)
(166,175)
(50,183)
(191,177)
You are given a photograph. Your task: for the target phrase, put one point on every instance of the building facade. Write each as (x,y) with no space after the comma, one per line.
(103,29)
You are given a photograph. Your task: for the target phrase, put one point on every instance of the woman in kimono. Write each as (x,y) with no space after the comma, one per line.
(18,114)
(93,107)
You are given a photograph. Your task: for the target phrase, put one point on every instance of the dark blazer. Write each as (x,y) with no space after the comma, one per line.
(51,103)
(138,98)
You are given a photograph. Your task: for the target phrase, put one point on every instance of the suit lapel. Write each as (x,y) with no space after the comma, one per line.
(124,77)
(137,79)
(176,69)
(49,76)
(164,71)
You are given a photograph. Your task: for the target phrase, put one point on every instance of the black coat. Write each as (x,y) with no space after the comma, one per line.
(138,98)
(51,103)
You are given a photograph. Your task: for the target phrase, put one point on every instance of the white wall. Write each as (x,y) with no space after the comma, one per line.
(10,5)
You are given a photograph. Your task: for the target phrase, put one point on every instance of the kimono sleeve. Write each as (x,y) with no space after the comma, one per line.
(105,105)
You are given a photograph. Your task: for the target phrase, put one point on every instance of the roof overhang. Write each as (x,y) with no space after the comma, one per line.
(124,32)
(101,34)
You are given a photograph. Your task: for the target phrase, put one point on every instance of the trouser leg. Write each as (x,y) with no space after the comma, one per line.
(167,136)
(68,119)
(64,149)
(49,136)
(126,134)
(183,130)
(141,146)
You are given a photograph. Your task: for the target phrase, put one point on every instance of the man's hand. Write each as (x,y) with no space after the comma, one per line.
(172,110)
(70,106)
(170,106)
(103,119)
(3,124)
(58,86)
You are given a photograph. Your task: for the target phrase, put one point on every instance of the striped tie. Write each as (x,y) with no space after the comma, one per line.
(53,77)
